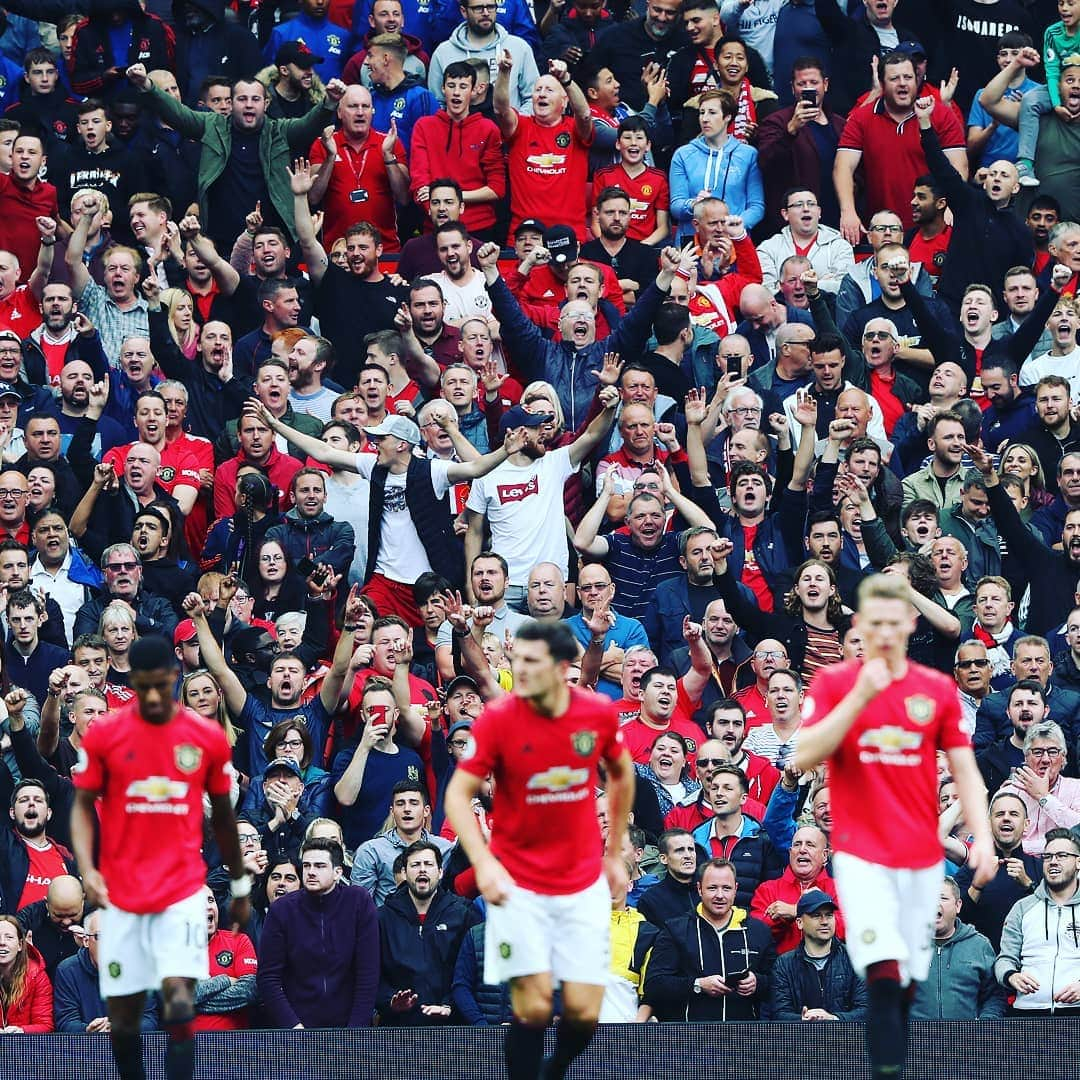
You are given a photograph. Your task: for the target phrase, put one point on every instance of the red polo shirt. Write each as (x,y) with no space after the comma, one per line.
(19,207)
(893,157)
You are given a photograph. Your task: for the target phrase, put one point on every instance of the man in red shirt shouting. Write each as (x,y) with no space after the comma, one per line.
(880,723)
(543,876)
(149,764)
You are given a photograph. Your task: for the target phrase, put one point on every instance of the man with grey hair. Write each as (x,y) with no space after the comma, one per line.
(122,570)
(1052,800)
(545,593)
(789,370)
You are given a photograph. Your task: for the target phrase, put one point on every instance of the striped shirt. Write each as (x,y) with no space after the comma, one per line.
(636,573)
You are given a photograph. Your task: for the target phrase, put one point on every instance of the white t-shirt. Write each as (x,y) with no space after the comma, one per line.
(467,300)
(401,554)
(524,507)
(349,502)
(1067,366)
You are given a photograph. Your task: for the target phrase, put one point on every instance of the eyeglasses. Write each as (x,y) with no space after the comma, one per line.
(886,228)
(877,335)
(291,744)
(810,205)
(747,410)
(271,558)
(115,567)
(483,7)
(249,839)
(90,937)
(12,493)
(711,761)
(588,316)
(768,654)
(599,586)
(1048,752)
(459,744)
(1057,856)
(965,664)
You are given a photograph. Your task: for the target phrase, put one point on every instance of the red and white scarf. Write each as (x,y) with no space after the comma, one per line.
(745,112)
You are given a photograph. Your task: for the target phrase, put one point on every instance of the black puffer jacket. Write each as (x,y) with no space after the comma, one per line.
(152,45)
(420,955)
(477,1002)
(798,984)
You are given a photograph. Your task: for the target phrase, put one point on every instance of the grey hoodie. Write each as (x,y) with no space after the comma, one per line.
(458,47)
(961,983)
(1043,939)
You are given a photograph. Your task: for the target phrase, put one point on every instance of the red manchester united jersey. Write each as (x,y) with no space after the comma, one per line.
(545,831)
(883,776)
(151,778)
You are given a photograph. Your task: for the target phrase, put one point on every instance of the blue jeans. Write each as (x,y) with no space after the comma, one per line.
(1033,104)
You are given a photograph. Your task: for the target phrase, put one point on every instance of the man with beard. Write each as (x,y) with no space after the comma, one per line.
(353,302)
(775,900)
(31,860)
(63,337)
(373,863)
(430,342)
(1026,706)
(930,239)
(279,303)
(1038,954)
(164,576)
(1011,411)
(634,263)
(291,83)
(880,135)
(988,893)
(462,285)
(948,385)
(311,360)
(768,655)
(420,256)
(418,967)
(729,833)
(941,479)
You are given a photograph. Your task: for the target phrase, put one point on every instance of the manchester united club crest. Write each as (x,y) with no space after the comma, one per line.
(583,742)
(187,757)
(166,474)
(224,958)
(920,708)
(562,140)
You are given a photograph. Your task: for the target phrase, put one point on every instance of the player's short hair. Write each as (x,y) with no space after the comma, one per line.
(423,845)
(30,782)
(327,844)
(152,652)
(994,579)
(24,598)
(884,587)
(656,672)
(733,770)
(1063,834)
(1029,686)
(459,69)
(715,864)
(999,794)
(89,641)
(791,673)
(1033,641)
(725,704)
(952,886)
(558,637)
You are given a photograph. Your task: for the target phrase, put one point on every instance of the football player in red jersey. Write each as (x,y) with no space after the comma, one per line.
(543,876)
(149,763)
(880,723)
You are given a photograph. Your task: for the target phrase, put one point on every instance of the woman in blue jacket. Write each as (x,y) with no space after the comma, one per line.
(715,164)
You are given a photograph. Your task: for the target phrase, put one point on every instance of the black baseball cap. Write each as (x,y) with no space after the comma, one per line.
(517,416)
(296,52)
(561,242)
(814,900)
(531,224)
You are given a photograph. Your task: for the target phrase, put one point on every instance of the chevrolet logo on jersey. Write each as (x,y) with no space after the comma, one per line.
(891,739)
(557,778)
(157,789)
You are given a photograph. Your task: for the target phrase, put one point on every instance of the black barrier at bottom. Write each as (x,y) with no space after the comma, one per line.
(994,1050)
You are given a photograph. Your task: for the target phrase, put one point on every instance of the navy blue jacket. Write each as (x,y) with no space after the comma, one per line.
(420,955)
(797,984)
(77,998)
(477,1002)
(319,959)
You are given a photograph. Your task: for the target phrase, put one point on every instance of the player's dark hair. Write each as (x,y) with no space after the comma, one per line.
(89,641)
(653,672)
(324,843)
(427,585)
(637,122)
(918,506)
(715,864)
(1063,834)
(724,704)
(558,637)
(28,782)
(670,321)
(791,673)
(933,186)
(733,770)
(826,343)
(459,69)
(276,735)
(153,652)
(637,836)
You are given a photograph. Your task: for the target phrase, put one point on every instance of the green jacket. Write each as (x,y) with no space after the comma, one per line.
(923,485)
(279,143)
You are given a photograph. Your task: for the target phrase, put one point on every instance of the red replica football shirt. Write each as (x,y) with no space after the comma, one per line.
(648,193)
(545,831)
(548,171)
(639,738)
(359,189)
(179,466)
(883,776)
(19,311)
(151,778)
(893,157)
(232,954)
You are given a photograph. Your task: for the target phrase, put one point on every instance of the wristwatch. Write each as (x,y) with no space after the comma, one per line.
(697,987)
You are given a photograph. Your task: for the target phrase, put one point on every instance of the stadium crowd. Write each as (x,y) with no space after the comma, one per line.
(339,341)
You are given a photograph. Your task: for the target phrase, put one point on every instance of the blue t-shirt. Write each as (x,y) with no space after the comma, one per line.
(1004,142)
(257,718)
(120,43)
(365,818)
